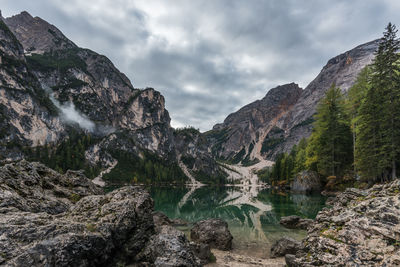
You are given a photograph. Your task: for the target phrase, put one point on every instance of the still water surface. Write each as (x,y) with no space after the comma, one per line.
(252,215)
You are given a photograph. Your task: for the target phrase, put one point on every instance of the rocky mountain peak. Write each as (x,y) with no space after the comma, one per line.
(36,35)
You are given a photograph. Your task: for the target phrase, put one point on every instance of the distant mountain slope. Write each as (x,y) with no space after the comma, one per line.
(52,90)
(241,134)
(341,70)
(285,115)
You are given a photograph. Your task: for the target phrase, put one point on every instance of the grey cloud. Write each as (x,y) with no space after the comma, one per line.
(209,58)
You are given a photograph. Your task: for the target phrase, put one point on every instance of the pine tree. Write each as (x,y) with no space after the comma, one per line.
(355,97)
(378,129)
(330,145)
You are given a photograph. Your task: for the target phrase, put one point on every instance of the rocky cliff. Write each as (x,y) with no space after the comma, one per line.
(241,136)
(285,115)
(50,88)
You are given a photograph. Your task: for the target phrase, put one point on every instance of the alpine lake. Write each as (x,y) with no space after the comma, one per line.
(252,213)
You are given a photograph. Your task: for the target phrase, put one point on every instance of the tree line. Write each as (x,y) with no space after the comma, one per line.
(356,136)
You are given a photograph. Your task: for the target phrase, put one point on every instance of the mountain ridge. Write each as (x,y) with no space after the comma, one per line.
(295,122)
(84,91)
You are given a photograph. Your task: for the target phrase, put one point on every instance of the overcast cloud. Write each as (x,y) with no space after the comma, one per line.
(209,58)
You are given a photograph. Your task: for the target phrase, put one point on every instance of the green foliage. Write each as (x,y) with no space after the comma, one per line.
(72,83)
(330,145)
(147,169)
(219,137)
(67,155)
(188,161)
(61,60)
(44,100)
(377,118)
(272,140)
(286,165)
(239,156)
(8,32)
(187,132)
(206,178)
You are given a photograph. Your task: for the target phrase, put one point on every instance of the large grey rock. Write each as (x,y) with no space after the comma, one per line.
(362,228)
(41,225)
(296,222)
(49,219)
(285,245)
(213,232)
(170,247)
(306,182)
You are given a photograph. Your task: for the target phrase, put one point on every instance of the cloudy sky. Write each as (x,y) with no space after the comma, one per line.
(209,58)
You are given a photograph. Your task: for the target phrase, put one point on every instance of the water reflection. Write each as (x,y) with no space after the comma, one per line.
(253,215)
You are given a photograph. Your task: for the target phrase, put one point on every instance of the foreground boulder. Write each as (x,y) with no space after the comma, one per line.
(285,245)
(170,247)
(361,229)
(213,232)
(49,219)
(295,222)
(306,182)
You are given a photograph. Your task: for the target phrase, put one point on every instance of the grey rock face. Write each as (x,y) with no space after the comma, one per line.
(285,246)
(341,70)
(193,150)
(36,35)
(41,226)
(251,123)
(124,118)
(213,232)
(32,187)
(306,182)
(296,222)
(285,115)
(361,229)
(170,247)
(25,117)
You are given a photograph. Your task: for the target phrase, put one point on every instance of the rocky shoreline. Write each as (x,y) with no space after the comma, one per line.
(52,219)
(361,228)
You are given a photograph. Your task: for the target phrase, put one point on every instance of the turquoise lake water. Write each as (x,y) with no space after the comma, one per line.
(252,214)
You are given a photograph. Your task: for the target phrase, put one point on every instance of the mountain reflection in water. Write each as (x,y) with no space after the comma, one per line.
(253,215)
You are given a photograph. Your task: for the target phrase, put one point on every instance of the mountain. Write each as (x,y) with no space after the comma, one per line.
(241,134)
(284,116)
(72,108)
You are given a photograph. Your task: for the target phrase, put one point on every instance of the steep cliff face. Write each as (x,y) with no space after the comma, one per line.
(80,86)
(241,135)
(193,152)
(27,117)
(50,87)
(285,115)
(342,71)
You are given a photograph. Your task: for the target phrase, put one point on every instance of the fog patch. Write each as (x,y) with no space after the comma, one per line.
(70,114)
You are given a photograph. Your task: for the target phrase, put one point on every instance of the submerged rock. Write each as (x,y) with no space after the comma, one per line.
(306,182)
(213,232)
(361,229)
(295,222)
(285,245)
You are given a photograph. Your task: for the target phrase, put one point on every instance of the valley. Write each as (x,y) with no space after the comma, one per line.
(93,165)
